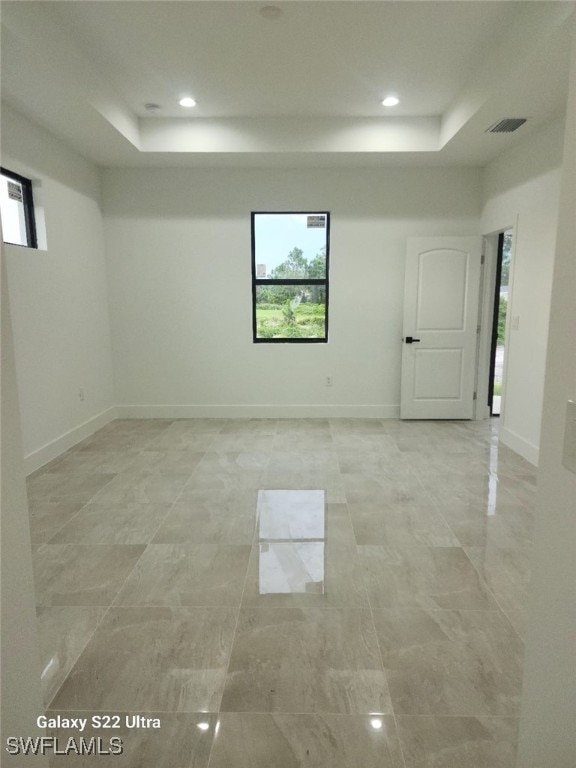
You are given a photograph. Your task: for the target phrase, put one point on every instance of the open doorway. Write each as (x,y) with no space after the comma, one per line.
(498,349)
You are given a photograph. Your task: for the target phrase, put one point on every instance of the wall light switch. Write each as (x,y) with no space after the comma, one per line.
(515,322)
(569,454)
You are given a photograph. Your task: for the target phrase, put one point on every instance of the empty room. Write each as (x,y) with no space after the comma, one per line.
(288,383)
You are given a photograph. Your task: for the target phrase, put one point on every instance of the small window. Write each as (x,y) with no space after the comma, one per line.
(17,209)
(290,258)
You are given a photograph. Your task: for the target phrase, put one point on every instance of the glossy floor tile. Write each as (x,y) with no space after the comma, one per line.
(518,617)
(291,592)
(329,481)
(182,739)
(54,486)
(304,553)
(454,742)
(144,487)
(288,515)
(96,461)
(81,574)
(224,482)
(450,662)
(224,517)
(307,574)
(182,462)
(232,462)
(428,577)
(249,740)
(402,491)
(506,571)
(386,525)
(142,659)
(99,523)
(304,441)
(301,460)
(507,524)
(48,517)
(305,660)
(187,574)
(243,442)
(64,632)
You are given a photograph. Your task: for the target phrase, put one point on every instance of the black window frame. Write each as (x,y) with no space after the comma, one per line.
(28,204)
(305,281)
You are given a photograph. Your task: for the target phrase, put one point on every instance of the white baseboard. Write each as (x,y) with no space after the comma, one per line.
(257,411)
(527,450)
(52,450)
(55,448)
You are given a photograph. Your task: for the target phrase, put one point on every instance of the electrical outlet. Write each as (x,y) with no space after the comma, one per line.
(328,381)
(81,394)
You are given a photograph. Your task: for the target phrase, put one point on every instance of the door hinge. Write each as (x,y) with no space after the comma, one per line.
(474,398)
(482,258)
(477,329)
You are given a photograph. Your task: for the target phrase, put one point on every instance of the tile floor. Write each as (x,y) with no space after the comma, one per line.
(317,593)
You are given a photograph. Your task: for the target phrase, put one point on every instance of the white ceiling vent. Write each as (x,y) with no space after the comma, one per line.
(507,125)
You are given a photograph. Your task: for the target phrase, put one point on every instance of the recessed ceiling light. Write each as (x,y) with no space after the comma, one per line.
(390,101)
(270,12)
(187,101)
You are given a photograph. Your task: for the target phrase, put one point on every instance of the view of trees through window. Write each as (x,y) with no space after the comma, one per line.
(17,209)
(290,283)
(504,280)
(501,309)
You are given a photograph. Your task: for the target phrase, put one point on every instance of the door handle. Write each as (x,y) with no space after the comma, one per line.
(410,340)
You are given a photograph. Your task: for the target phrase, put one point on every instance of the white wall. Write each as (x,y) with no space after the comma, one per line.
(547,735)
(20,689)
(59,302)
(521,190)
(178,260)
(179,267)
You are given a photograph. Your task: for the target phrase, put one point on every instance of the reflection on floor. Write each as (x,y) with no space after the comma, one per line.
(287,593)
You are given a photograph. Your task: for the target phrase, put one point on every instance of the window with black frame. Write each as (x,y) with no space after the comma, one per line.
(17,209)
(290,260)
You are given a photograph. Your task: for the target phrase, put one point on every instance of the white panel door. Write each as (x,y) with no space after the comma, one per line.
(441,291)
